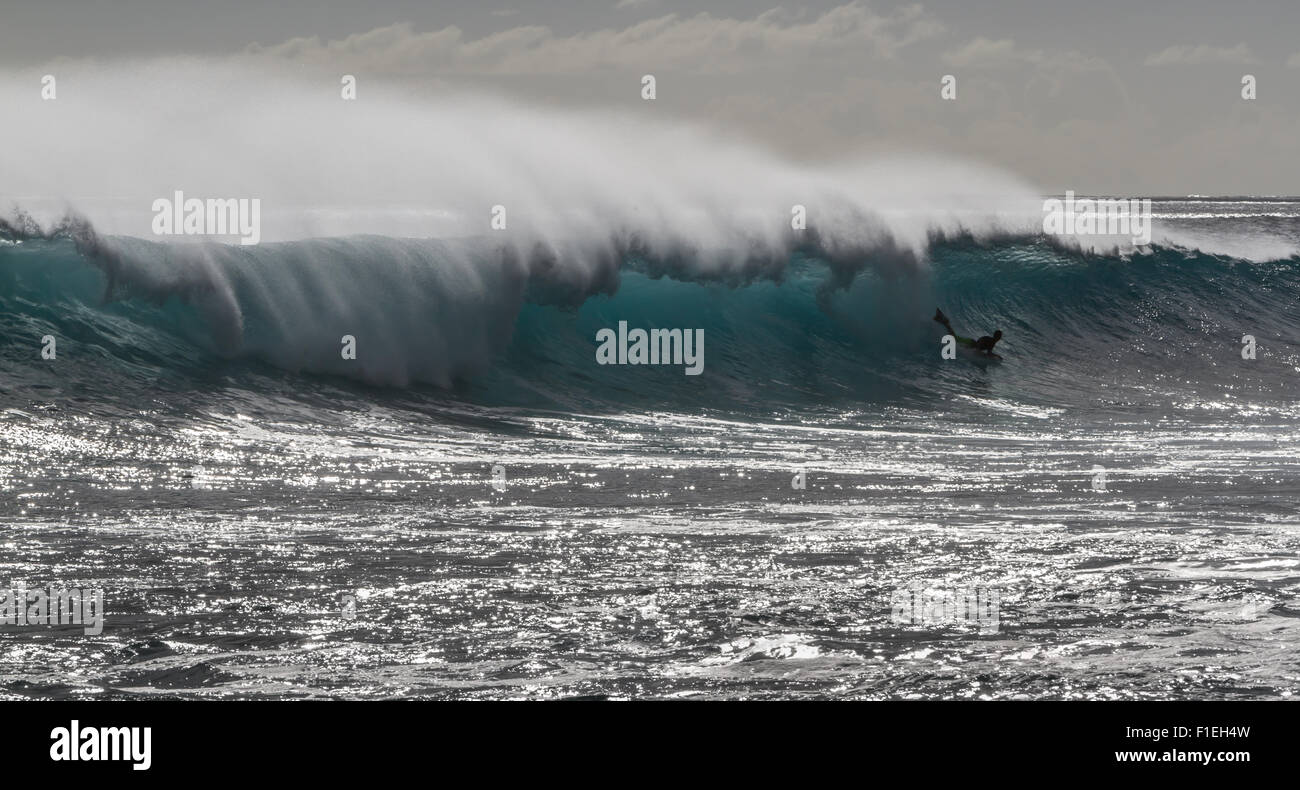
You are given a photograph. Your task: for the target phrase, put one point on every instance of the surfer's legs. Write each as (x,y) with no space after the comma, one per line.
(965,341)
(943,319)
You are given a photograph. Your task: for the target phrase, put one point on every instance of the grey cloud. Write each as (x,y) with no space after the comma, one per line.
(991,54)
(1185,55)
(668,42)
(986,53)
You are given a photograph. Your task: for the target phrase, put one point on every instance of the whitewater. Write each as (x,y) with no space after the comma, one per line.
(474,508)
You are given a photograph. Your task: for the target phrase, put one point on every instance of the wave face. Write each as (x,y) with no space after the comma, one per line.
(796,324)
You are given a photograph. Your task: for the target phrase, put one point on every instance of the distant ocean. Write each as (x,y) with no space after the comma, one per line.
(474,508)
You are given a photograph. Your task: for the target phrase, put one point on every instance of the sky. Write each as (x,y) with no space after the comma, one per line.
(1121,98)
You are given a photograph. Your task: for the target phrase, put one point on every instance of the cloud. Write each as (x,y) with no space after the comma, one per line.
(634,3)
(986,53)
(1293,62)
(1187,55)
(983,53)
(701,41)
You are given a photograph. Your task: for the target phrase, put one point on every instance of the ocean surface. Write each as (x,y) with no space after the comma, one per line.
(474,508)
